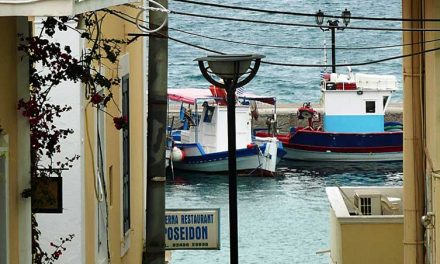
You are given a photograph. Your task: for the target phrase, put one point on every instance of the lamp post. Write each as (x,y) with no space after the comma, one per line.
(233,70)
(332,26)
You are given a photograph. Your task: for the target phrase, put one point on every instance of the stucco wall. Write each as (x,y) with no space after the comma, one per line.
(8,121)
(54,226)
(372,243)
(14,85)
(432,108)
(114,27)
(364,243)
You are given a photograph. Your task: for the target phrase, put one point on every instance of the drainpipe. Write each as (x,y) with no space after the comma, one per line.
(156,122)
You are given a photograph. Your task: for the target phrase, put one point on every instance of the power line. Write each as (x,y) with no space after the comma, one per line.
(283,46)
(298,24)
(276,63)
(351,64)
(300,47)
(305,14)
(157,35)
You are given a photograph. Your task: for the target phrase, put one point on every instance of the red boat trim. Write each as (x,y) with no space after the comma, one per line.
(346,133)
(344,149)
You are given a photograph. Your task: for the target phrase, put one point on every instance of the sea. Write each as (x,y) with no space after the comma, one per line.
(288,84)
(283,219)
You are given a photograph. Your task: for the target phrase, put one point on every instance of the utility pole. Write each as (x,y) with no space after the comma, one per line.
(156,122)
(333,26)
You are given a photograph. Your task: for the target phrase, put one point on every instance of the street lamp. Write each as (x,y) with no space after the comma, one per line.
(236,71)
(333,25)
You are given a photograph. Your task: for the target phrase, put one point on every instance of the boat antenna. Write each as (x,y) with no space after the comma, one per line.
(325,54)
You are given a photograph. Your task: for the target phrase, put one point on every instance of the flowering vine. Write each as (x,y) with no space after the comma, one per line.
(60,65)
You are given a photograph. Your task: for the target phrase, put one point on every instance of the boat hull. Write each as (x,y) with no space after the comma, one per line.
(256,159)
(309,145)
(247,164)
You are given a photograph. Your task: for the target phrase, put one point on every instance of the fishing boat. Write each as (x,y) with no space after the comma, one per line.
(201,141)
(351,125)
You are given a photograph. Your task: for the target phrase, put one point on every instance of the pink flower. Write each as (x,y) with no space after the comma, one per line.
(96,98)
(121,122)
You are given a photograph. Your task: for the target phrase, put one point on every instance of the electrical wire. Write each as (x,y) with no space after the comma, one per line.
(283,46)
(305,14)
(351,64)
(279,63)
(300,47)
(299,24)
(158,35)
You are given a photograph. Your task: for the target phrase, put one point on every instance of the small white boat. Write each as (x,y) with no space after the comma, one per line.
(201,144)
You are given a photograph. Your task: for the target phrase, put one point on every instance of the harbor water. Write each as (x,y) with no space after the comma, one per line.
(284,219)
(288,84)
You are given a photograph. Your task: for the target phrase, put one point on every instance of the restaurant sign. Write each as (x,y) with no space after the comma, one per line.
(192,229)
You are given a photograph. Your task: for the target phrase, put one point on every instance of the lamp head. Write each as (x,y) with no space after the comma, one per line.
(230,67)
(346,15)
(81,22)
(319,17)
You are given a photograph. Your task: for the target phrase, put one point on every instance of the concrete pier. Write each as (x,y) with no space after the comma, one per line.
(286,114)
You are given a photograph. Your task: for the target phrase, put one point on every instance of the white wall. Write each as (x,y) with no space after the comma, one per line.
(54,226)
(351,103)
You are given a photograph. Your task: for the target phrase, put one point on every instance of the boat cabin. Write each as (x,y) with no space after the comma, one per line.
(211,130)
(356,103)
(208,126)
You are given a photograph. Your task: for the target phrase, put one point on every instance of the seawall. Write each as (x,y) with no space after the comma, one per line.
(286,114)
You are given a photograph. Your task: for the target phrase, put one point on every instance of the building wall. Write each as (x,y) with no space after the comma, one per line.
(413,157)
(14,86)
(432,108)
(363,239)
(335,238)
(364,243)
(114,27)
(53,226)
(8,121)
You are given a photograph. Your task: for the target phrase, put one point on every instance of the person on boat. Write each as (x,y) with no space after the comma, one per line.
(185,118)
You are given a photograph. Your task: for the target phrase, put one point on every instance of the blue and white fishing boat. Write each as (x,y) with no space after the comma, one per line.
(201,144)
(351,126)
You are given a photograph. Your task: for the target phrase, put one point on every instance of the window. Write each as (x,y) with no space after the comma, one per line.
(370,107)
(208,114)
(125,157)
(385,100)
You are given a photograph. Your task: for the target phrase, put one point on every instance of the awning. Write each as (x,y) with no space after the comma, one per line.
(190,95)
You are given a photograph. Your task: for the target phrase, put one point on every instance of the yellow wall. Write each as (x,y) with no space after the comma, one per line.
(8,121)
(114,27)
(365,243)
(432,97)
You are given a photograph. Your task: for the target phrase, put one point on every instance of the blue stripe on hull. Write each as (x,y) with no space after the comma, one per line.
(221,155)
(347,140)
(354,123)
